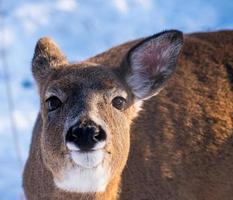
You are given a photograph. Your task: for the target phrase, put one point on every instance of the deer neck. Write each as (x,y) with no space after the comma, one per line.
(111,193)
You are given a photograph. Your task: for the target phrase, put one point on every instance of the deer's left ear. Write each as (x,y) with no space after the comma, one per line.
(151,62)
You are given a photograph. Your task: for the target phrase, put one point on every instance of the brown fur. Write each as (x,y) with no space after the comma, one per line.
(181,142)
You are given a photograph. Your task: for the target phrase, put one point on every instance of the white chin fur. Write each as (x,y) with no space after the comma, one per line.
(88,159)
(89,175)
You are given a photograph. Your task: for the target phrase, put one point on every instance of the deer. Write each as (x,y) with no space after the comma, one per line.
(150,119)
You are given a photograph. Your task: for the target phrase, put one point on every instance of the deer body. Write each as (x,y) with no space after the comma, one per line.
(180,145)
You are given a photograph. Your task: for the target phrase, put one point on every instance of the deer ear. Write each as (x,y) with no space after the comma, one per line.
(46,56)
(151,62)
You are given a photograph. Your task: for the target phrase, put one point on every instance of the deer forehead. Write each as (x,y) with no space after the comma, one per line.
(75,80)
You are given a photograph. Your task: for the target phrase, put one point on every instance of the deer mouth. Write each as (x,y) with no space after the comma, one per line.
(72,147)
(88,159)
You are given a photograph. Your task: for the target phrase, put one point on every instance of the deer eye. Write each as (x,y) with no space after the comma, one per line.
(53,103)
(119,103)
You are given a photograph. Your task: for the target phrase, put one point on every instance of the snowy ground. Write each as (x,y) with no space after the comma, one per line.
(82,29)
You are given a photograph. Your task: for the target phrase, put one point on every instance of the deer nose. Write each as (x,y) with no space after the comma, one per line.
(85,135)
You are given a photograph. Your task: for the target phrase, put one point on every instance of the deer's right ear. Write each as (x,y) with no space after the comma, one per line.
(149,64)
(47,56)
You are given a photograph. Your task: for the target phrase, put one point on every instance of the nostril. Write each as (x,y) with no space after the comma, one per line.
(95,137)
(85,136)
(100,135)
(72,135)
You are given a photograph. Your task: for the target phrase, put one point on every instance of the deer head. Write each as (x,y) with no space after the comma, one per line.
(87,108)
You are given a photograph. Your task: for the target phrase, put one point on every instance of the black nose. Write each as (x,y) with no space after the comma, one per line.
(85,135)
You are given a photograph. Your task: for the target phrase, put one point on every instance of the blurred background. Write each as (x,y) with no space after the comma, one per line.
(82,29)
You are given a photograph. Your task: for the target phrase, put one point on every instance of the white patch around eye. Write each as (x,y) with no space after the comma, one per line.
(82,179)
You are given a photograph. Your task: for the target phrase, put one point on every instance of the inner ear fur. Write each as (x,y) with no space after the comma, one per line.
(151,62)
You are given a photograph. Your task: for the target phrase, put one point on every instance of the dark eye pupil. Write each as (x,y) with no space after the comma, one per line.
(119,103)
(53,103)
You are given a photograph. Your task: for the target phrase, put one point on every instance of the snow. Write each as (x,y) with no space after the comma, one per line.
(66,5)
(121,5)
(82,29)
(9,36)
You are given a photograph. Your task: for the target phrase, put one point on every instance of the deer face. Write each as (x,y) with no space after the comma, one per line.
(87,108)
(85,126)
